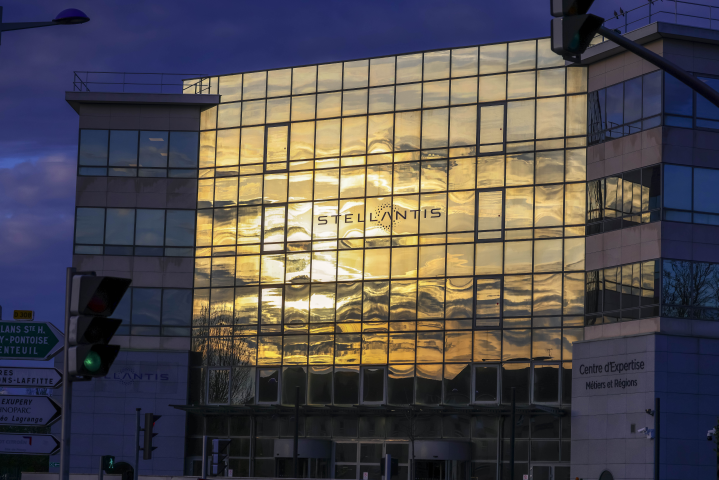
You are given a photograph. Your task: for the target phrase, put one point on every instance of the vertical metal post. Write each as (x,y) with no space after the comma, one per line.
(204,456)
(387,467)
(656,438)
(137,443)
(67,387)
(253,436)
(295,464)
(99,475)
(511,441)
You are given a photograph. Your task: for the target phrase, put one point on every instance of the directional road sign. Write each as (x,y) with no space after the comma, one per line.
(29,340)
(28,410)
(30,377)
(29,444)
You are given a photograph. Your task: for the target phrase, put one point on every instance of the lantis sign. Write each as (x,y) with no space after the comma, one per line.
(385,216)
(128,376)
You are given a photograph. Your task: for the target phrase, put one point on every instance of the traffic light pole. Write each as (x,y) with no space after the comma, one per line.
(137,443)
(67,387)
(676,71)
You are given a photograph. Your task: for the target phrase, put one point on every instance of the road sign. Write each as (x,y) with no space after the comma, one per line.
(23,315)
(30,377)
(29,444)
(29,341)
(28,410)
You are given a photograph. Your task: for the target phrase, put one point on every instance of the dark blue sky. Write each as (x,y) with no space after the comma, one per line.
(38,130)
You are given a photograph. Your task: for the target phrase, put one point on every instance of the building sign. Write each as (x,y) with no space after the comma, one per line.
(613,375)
(384,216)
(128,376)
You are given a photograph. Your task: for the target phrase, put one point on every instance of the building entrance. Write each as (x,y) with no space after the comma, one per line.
(440,470)
(307,468)
(549,472)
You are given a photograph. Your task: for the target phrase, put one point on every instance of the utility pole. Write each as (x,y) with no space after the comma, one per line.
(137,443)
(67,387)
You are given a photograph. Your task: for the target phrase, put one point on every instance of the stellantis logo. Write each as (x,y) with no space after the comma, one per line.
(386,216)
(127,376)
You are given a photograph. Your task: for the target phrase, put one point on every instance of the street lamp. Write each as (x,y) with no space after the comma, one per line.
(70,16)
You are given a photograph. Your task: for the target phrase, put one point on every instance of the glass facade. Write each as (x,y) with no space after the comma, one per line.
(393,231)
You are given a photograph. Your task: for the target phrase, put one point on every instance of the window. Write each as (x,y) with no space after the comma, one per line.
(126,150)
(373,384)
(626,108)
(622,293)
(624,200)
(147,229)
(155,312)
(268,380)
(486,383)
(689,195)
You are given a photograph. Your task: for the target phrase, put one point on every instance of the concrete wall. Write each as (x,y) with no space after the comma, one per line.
(103,412)
(682,371)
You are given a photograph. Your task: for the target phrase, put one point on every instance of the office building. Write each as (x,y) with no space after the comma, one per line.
(401,244)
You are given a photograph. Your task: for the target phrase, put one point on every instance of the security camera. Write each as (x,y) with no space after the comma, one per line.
(642,430)
(710,433)
(649,432)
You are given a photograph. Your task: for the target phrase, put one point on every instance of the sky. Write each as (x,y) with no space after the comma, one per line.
(39,130)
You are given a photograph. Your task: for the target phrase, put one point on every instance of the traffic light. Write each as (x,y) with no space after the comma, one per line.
(573,29)
(108,463)
(220,449)
(92,300)
(150,420)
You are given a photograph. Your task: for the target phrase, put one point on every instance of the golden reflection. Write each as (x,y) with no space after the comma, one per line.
(321,349)
(430,347)
(402,347)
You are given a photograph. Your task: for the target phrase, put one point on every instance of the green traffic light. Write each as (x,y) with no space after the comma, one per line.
(92,361)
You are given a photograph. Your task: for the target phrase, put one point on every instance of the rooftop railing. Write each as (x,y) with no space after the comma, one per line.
(668,11)
(130,82)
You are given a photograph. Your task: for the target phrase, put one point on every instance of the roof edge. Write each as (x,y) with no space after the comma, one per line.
(75,99)
(650,33)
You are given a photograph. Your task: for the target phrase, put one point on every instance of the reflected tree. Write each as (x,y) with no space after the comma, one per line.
(689,284)
(232,378)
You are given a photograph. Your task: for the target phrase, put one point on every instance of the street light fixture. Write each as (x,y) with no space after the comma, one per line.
(70,16)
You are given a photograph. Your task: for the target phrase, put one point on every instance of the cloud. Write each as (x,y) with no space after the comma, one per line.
(36,230)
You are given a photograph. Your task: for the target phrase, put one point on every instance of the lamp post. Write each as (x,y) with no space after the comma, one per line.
(70,16)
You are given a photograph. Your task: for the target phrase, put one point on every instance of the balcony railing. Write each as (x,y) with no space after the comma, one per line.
(130,82)
(668,11)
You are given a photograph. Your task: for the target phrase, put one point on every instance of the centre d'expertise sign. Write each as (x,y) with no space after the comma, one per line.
(608,368)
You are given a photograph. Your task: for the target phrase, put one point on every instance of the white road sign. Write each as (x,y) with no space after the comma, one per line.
(28,410)
(30,377)
(30,444)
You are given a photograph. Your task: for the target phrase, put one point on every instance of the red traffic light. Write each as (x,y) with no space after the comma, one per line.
(96,295)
